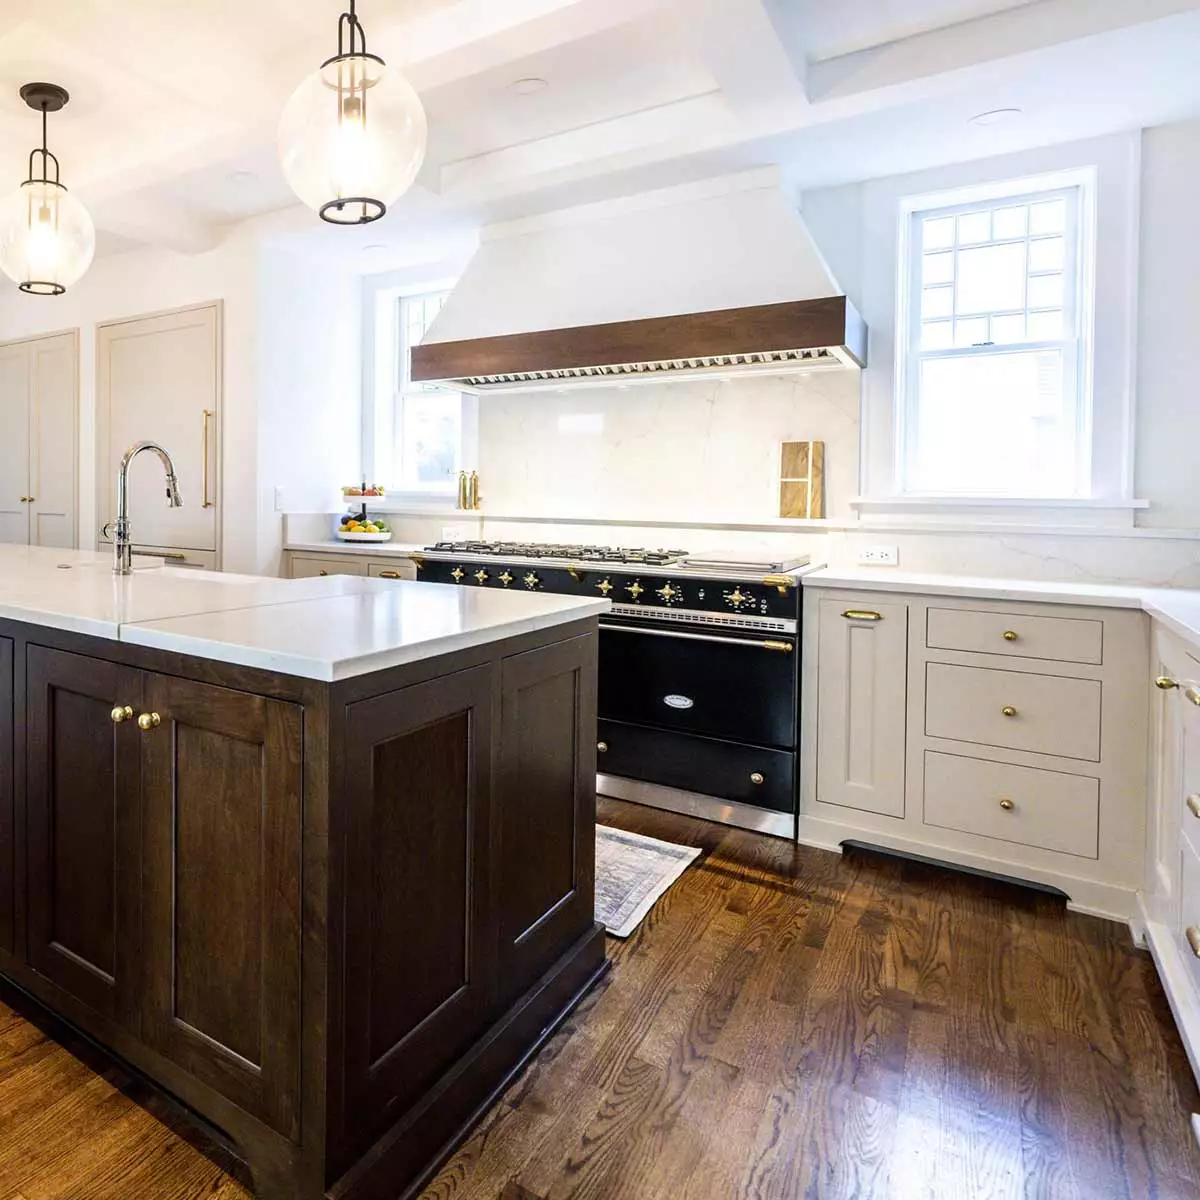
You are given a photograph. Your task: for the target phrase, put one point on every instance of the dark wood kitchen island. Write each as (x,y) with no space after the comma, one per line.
(314,857)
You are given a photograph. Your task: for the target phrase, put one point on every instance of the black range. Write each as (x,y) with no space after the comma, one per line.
(699,672)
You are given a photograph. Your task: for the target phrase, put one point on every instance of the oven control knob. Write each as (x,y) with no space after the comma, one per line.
(506,579)
(458,574)
(738,600)
(670,594)
(635,589)
(531,581)
(481,577)
(604,587)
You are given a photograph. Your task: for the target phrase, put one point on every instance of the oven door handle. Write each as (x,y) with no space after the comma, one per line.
(769,644)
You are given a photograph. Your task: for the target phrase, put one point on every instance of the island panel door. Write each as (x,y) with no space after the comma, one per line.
(417,779)
(82,827)
(221,815)
(546,809)
(7,848)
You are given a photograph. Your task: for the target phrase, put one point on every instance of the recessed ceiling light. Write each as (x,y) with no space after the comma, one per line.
(996,116)
(527,87)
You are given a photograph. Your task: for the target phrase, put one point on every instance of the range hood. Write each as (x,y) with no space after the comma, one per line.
(720,278)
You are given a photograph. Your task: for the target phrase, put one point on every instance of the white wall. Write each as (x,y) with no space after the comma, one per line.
(1168,368)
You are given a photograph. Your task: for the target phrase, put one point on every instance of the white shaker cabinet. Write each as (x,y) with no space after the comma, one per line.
(159,378)
(38,441)
(861,705)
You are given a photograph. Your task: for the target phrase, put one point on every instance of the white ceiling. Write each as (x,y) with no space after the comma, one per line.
(169,137)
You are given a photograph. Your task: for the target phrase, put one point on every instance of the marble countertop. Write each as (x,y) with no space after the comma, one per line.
(327,628)
(1176,608)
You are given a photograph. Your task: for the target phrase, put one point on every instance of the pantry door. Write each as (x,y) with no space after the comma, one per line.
(159,378)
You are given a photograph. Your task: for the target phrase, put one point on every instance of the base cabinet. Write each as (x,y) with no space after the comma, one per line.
(221,793)
(81,805)
(8,892)
(329,918)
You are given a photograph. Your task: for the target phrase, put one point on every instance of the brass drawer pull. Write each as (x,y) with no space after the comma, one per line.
(1010,635)
(1009,711)
(1193,939)
(389,574)
(856,614)
(757,778)
(1007,805)
(1193,805)
(1165,683)
(122,713)
(149,721)
(1193,694)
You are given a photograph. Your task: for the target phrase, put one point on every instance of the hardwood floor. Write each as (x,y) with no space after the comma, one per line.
(786,1023)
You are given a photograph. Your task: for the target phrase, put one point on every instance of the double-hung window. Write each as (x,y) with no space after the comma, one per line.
(995,374)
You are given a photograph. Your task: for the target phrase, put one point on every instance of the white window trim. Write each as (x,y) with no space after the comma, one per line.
(1116,164)
(381,294)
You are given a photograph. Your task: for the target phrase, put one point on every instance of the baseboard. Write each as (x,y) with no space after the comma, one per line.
(1181,991)
(403,1161)
(1110,901)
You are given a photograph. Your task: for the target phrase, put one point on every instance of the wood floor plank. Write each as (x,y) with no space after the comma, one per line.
(786,1024)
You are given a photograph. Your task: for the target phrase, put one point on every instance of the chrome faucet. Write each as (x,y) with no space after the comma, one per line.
(122,542)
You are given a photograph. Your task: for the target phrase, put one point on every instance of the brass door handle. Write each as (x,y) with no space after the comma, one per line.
(122,713)
(149,721)
(205,502)
(389,574)
(1009,711)
(1007,805)
(854,614)
(757,778)
(1193,939)
(1165,683)
(602,747)
(1010,635)
(1193,805)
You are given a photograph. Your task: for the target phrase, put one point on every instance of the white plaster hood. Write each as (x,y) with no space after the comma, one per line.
(717,277)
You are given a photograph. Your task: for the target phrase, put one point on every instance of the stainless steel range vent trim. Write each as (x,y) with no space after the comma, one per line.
(774,362)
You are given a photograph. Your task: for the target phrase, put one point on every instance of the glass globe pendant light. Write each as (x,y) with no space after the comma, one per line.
(47,238)
(352,137)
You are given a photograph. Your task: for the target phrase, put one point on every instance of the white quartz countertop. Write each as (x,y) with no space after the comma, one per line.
(326,628)
(1176,608)
(364,549)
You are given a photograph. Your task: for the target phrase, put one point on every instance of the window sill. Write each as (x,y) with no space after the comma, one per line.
(997,510)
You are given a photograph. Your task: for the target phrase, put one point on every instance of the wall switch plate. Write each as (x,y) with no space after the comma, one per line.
(878,556)
(280,498)
(455,533)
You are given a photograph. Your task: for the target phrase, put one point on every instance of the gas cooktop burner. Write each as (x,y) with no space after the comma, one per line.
(569,553)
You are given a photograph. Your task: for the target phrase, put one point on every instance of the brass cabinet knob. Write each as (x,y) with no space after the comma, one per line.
(322,573)
(1193,939)
(149,721)
(1166,683)
(757,778)
(1193,805)
(1007,805)
(122,713)
(1010,635)
(602,747)
(1009,711)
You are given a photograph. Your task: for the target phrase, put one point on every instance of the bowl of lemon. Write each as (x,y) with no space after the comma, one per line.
(363,528)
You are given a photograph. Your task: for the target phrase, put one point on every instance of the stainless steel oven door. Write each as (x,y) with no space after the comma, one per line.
(740,687)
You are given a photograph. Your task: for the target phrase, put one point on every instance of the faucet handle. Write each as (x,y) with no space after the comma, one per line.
(106,531)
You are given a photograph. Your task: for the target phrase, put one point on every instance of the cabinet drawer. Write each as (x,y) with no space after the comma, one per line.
(1047,809)
(1189,913)
(401,568)
(308,566)
(1047,714)
(1058,639)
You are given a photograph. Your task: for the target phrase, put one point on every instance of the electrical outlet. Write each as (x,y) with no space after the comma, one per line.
(878,556)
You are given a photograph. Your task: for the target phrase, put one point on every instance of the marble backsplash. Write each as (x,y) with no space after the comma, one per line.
(695,450)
